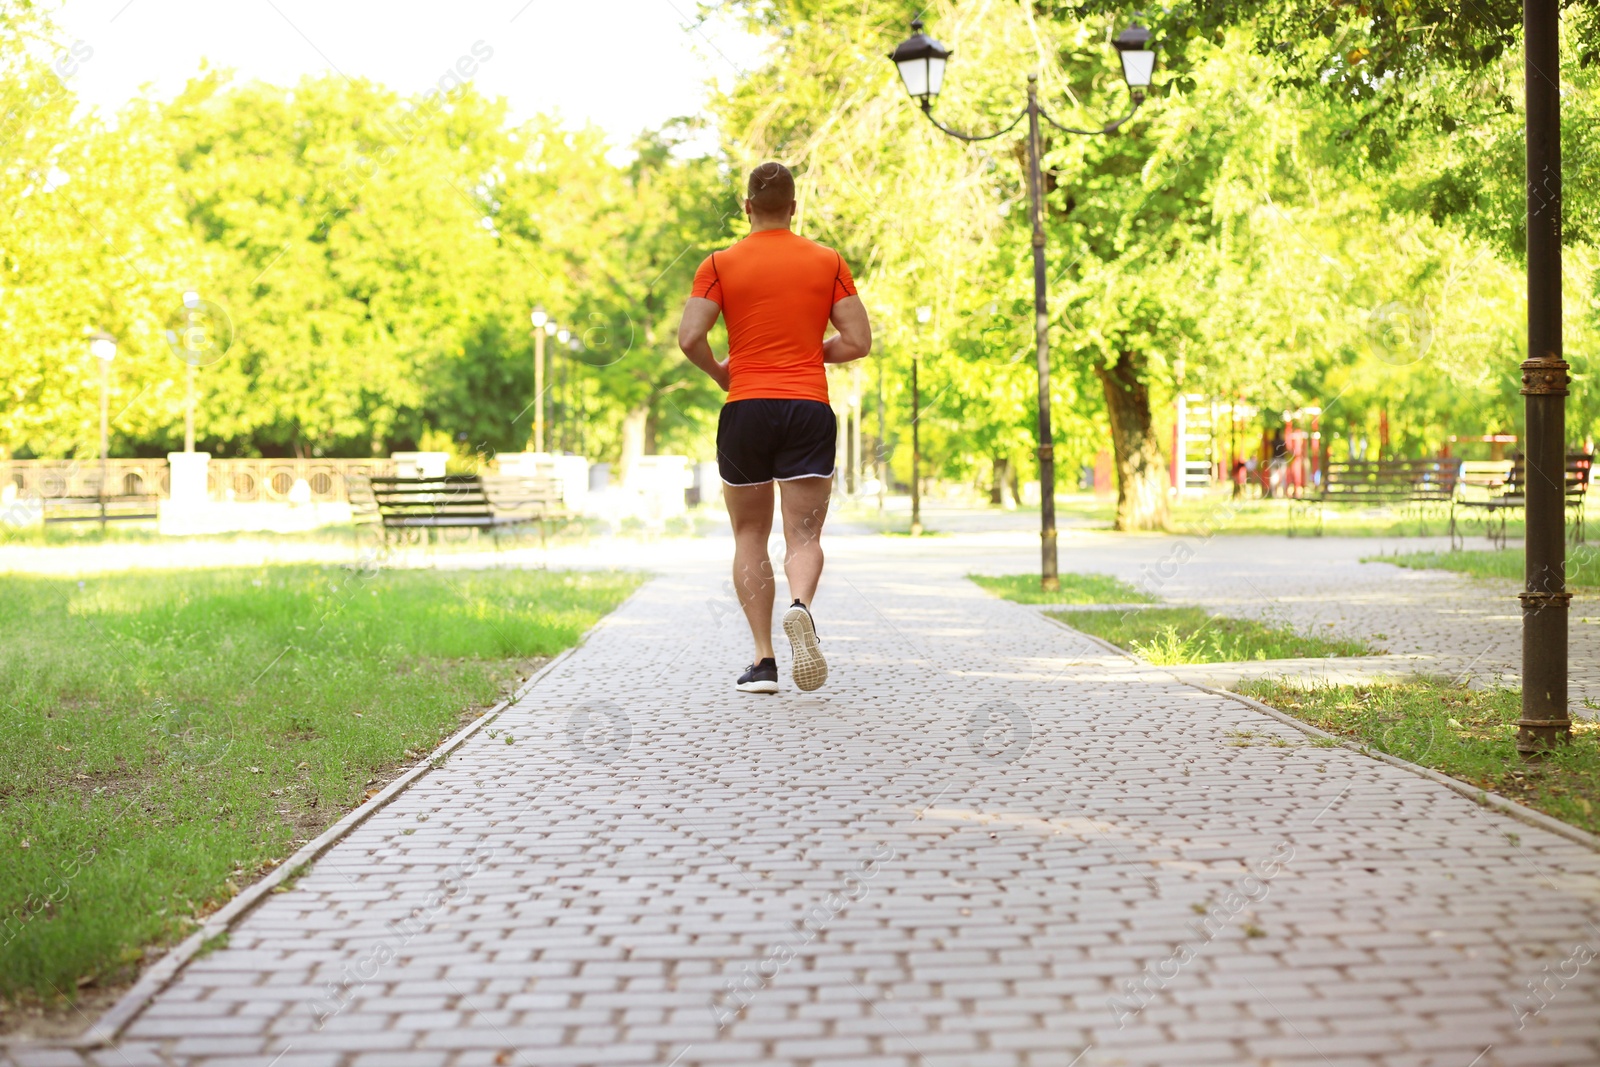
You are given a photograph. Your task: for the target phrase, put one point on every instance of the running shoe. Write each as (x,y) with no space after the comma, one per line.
(810,669)
(760,677)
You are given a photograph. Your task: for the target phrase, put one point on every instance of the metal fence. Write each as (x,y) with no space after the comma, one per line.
(252,480)
(241,480)
(52,479)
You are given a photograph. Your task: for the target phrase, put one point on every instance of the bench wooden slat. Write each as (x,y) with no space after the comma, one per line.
(460,501)
(87,508)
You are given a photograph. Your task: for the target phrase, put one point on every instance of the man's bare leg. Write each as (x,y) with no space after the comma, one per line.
(750,511)
(805,508)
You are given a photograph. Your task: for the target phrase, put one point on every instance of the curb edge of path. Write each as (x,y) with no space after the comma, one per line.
(1481,797)
(105,1030)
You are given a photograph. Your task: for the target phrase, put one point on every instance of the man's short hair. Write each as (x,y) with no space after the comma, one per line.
(770,189)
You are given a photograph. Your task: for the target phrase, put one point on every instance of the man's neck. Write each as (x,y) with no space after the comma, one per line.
(762,225)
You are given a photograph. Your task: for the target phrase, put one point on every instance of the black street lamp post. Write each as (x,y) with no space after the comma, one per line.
(103,346)
(924,316)
(1544,598)
(922,60)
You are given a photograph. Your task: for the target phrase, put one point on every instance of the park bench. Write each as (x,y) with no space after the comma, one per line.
(448,502)
(70,492)
(1512,495)
(363,504)
(1414,485)
(529,499)
(454,502)
(1483,479)
(87,508)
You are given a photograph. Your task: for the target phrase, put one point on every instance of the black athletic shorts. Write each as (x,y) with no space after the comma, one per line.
(762,440)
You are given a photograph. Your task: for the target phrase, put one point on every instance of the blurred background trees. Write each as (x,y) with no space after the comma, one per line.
(1319,207)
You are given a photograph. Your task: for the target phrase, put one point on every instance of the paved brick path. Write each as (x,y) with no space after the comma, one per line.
(1453,625)
(984,842)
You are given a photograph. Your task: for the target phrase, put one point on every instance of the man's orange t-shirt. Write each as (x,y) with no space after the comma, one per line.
(776,290)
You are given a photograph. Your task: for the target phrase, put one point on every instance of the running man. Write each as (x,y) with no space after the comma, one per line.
(777,291)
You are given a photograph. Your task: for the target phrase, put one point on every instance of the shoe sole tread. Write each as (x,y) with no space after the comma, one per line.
(809,667)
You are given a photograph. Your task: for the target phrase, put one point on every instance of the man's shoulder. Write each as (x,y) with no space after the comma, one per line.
(790,246)
(818,248)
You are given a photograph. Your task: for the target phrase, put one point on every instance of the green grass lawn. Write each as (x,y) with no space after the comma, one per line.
(1075,589)
(1583,564)
(60,535)
(170,736)
(1465,733)
(1170,637)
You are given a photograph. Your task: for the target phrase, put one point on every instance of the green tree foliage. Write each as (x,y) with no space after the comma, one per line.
(378,257)
(1290,227)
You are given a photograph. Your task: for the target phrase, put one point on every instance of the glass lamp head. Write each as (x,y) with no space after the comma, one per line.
(102,346)
(1138,59)
(921,60)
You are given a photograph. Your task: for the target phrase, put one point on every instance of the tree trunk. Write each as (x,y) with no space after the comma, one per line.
(1000,485)
(633,433)
(1141,474)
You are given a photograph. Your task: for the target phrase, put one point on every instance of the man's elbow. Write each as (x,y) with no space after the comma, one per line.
(688,338)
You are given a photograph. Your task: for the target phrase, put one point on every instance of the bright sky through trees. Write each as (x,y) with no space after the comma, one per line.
(624,65)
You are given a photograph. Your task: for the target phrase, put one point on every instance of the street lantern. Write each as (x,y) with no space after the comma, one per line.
(102,346)
(1138,61)
(1546,380)
(539,318)
(924,314)
(921,60)
(563,336)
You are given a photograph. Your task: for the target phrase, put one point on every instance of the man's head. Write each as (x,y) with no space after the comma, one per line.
(769,195)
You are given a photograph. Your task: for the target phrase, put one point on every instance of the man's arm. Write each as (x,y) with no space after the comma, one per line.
(854,339)
(699,315)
